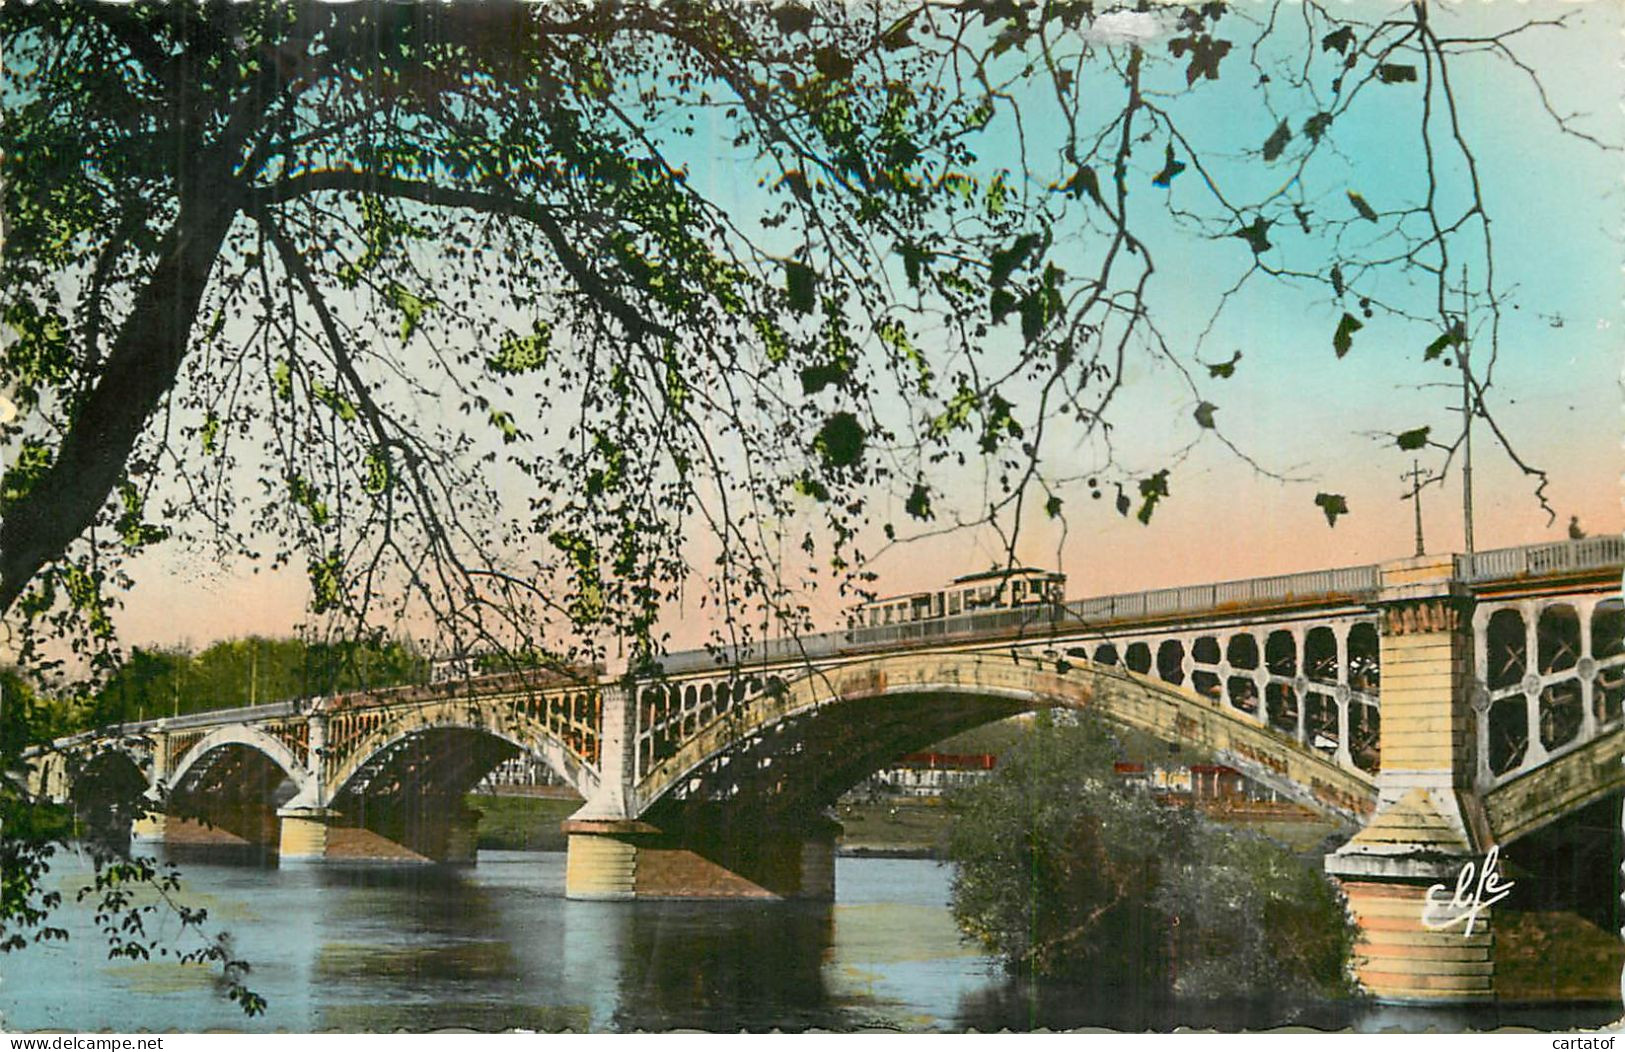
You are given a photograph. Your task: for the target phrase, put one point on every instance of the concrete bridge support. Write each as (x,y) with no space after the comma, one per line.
(445,834)
(691,851)
(1429,824)
(637,860)
(248,824)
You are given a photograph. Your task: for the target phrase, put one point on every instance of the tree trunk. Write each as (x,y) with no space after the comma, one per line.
(139,372)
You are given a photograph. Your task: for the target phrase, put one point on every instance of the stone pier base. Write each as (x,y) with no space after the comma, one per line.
(636,860)
(304,834)
(324,835)
(149,829)
(1401,961)
(240,826)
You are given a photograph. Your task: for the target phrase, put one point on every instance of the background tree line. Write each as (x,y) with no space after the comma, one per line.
(153,682)
(169,681)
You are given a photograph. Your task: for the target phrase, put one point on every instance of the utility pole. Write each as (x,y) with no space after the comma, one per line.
(1467,409)
(1415,477)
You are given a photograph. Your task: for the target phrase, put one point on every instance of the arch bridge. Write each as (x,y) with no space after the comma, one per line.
(1438,705)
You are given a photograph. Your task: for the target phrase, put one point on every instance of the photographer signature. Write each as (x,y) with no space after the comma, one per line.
(1477,889)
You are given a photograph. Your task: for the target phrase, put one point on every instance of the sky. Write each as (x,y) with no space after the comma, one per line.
(1294,408)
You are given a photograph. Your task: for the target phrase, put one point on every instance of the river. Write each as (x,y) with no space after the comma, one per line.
(498,946)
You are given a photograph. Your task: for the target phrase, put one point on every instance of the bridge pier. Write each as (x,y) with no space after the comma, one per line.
(447,835)
(151,828)
(1429,823)
(258,826)
(629,859)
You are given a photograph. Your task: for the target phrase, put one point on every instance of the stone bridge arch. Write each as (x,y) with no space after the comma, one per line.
(866,712)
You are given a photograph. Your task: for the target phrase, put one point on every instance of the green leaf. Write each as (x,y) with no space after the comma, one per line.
(1171,166)
(914,257)
(800,281)
(1256,234)
(1204,414)
(840,440)
(378,471)
(1333,504)
(333,400)
(131,530)
(808,486)
(919,502)
(411,306)
(1152,490)
(792,18)
(773,339)
(1277,141)
(1052,507)
(956,414)
(1084,181)
(1224,370)
(1366,211)
(1004,262)
(1205,54)
(522,354)
(306,496)
(894,335)
(999,422)
(1343,338)
(1454,338)
(1337,280)
(1316,126)
(1001,303)
(1339,40)
(1037,307)
(997,198)
(32,461)
(1415,438)
(1394,73)
(503,422)
(815,378)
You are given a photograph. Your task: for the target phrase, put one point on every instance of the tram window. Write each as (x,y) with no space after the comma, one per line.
(953,602)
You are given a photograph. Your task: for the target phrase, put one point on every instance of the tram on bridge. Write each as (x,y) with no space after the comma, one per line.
(1006,589)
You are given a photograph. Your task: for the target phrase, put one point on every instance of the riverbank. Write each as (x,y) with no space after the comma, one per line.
(527,822)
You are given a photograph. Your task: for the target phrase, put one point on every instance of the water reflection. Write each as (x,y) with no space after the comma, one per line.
(499,947)
(726,966)
(1024,1006)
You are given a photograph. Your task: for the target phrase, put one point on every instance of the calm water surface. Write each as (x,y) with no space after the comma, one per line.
(498,946)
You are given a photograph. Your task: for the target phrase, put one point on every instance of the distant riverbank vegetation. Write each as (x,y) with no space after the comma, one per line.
(152,682)
(1068,874)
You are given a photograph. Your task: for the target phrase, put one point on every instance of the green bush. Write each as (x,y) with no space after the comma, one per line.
(1067,874)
